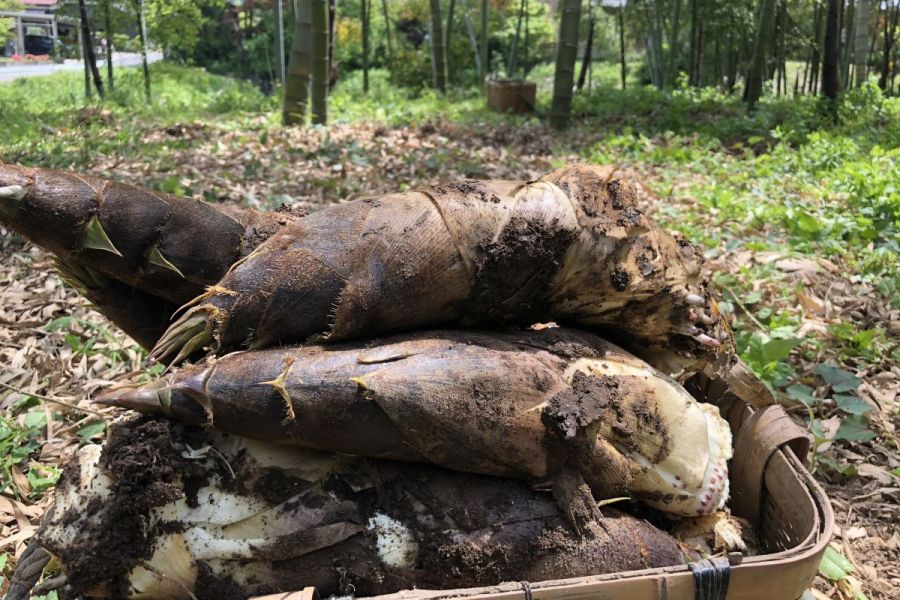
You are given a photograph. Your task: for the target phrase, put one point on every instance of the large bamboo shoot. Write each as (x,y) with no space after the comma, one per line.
(519,404)
(170,513)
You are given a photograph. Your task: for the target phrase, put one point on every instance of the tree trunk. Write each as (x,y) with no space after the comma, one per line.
(698,58)
(448,34)
(365,44)
(470,32)
(831,81)
(89,55)
(695,19)
(809,67)
(566,54)
(438,63)
(760,52)
(780,67)
(107,22)
(817,57)
(731,59)
(872,38)
(847,39)
(657,45)
(88,90)
(586,60)
(622,44)
(387,31)
(296,86)
(279,40)
(332,27)
(717,61)
(511,64)
(526,65)
(890,26)
(672,64)
(655,60)
(319,68)
(485,54)
(142,34)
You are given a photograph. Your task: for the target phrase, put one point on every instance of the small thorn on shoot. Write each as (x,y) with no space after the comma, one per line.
(279,384)
(142,399)
(156,258)
(196,387)
(95,237)
(694,299)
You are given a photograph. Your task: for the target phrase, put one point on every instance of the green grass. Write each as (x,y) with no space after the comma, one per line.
(47,121)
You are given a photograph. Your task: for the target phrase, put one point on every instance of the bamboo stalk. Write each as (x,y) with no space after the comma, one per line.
(438,60)
(296,86)
(566,54)
(319,61)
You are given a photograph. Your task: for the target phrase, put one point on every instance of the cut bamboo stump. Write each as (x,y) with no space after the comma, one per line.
(511,95)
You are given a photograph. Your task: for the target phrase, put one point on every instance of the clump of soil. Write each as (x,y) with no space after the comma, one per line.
(574,410)
(213,587)
(143,458)
(513,272)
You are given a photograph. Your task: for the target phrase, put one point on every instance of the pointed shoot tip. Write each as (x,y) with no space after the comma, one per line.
(140,399)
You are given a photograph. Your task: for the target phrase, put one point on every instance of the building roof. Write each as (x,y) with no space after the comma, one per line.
(39,3)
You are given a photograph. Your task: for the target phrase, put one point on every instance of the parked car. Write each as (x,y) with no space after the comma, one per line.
(39,44)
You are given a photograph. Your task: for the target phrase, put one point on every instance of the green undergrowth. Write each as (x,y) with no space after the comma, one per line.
(47,120)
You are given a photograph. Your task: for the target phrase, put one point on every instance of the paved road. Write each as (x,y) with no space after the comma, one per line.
(8,72)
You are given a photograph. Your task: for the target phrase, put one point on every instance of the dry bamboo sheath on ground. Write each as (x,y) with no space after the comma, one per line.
(164,511)
(519,404)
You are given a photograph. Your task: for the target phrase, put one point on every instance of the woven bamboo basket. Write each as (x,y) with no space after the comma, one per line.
(771,488)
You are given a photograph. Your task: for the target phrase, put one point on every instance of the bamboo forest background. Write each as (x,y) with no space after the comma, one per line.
(745,48)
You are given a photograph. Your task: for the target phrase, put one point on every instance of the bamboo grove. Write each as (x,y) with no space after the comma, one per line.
(747,47)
